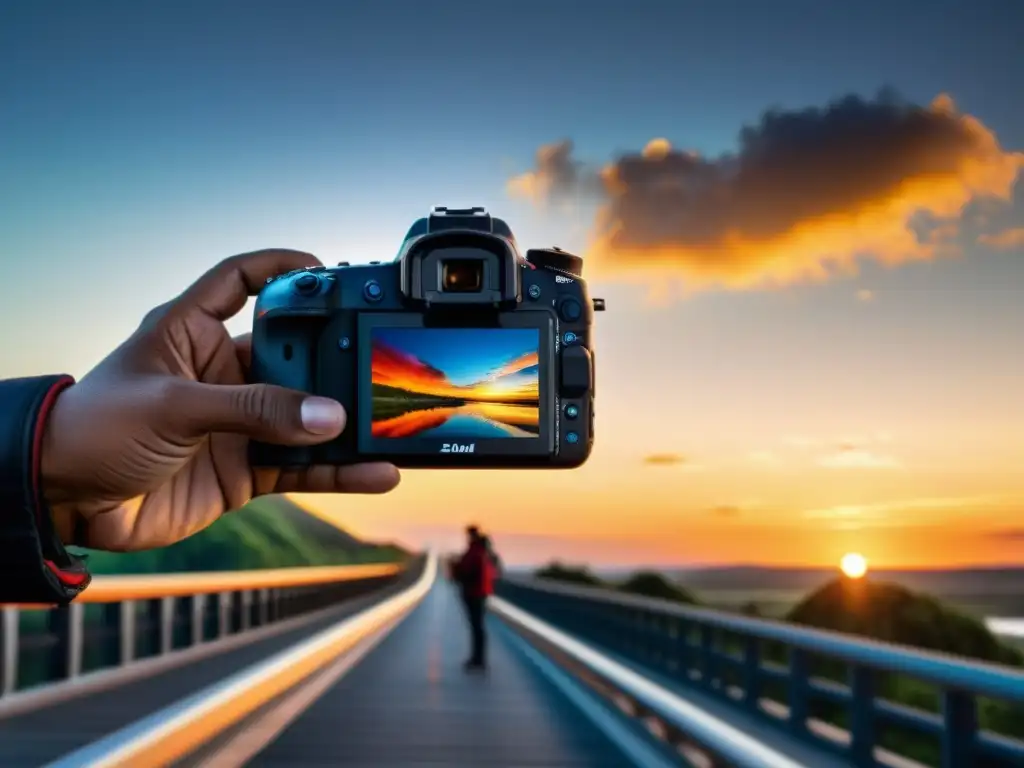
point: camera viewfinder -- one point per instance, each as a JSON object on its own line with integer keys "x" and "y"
{"x": 462, "y": 275}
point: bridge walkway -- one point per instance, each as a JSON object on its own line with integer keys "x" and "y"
{"x": 409, "y": 703}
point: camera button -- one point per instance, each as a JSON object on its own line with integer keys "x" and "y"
{"x": 307, "y": 284}
{"x": 572, "y": 438}
{"x": 576, "y": 371}
{"x": 572, "y": 411}
{"x": 372, "y": 291}
{"x": 570, "y": 310}
{"x": 533, "y": 292}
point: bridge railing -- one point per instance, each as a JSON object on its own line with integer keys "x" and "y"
{"x": 122, "y": 619}
{"x": 824, "y": 687}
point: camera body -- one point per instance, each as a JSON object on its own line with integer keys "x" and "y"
{"x": 460, "y": 353}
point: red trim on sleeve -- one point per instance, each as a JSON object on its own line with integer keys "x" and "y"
{"x": 68, "y": 578}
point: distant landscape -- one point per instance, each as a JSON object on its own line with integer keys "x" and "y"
{"x": 980, "y": 592}
{"x": 269, "y": 532}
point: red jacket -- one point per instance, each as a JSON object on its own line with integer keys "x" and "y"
{"x": 475, "y": 571}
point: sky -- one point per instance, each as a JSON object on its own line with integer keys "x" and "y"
{"x": 802, "y": 217}
{"x": 450, "y": 361}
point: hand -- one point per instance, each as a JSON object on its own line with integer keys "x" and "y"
{"x": 151, "y": 446}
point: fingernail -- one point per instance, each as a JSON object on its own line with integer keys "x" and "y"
{"x": 322, "y": 416}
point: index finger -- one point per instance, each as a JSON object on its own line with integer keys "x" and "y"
{"x": 223, "y": 291}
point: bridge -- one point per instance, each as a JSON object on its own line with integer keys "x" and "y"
{"x": 362, "y": 666}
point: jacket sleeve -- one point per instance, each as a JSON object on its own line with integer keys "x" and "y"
{"x": 34, "y": 566}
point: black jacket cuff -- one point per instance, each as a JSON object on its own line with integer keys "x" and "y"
{"x": 34, "y": 566}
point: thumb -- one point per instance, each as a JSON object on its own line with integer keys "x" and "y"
{"x": 264, "y": 412}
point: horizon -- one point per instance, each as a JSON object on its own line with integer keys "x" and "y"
{"x": 812, "y": 258}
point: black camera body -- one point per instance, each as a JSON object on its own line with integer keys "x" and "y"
{"x": 460, "y": 353}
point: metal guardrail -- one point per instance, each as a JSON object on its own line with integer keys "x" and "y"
{"x": 747, "y": 662}
{"x": 726, "y": 744}
{"x": 179, "y": 730}
{"x": 121, "y": 619}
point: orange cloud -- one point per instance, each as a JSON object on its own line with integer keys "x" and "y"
{"x": 1005, "y": 240}
{"x": 726, "y": 511}
{"x": 808, "y": 194}
{"x": 665, "y": 459}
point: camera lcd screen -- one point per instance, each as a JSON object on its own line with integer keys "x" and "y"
{"x": 455, "y": 383}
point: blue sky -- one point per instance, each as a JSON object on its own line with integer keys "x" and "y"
{"x": 465, "y": 355}
{"x": 142, "y": 142}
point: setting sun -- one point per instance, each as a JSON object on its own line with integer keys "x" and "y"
{"x": 853, "y": 565}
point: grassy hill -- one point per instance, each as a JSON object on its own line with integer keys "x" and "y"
{"x": 269, "y": 532}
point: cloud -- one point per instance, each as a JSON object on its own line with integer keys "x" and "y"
{"x": 1004, "y": 240}
{"x": 852, "y": 457}
{"x": 1007, "y": 534}
{"x": 665, "y": 459}
{"x": 725, "y": 511}
{"x": 865, "y": 295}
{"x": 807, "y": 194}
{"x": 805, "y": 442}
{"x": 902, "y": 510}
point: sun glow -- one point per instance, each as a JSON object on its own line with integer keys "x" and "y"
{"x": 853, "y": 565}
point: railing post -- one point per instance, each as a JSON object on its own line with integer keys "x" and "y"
{"x": 798, "y": 690}
{"x": 960, "y": 720}
{"x": 245, "y": 620}
{"x": 166, "y": 625}
{"x": 862, "y": 716}
{"x": 128, "y": 610}
{"x": 223, "y": 614}
{"x": 9, "y": 618}
{"x": 198, "y": 616}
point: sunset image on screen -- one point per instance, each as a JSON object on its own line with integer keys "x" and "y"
{"x": 456, "y": 383}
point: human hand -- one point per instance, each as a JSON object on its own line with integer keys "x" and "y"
{"x": 151, "y": 446}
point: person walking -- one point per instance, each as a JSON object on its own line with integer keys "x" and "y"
{"x": 475, "y": 574}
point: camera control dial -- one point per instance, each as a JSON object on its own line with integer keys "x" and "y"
{"x": 307, "y": 284}
{"x": 556, "y": 259}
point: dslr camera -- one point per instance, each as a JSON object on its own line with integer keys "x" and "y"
{"x": 462, "y": 352}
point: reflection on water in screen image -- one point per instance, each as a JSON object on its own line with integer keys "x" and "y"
{"x": 456, "y": 383}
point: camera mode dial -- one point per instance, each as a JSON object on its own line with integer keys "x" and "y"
{"x": 307, "y": 284}
{"x": 556, "y": 259}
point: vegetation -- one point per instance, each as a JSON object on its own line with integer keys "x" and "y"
{"x": 653, "y": 584}
{"x": 269, "y": 532}
{"x": 570, "y": 574}
{"x": 894, "y": 614}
